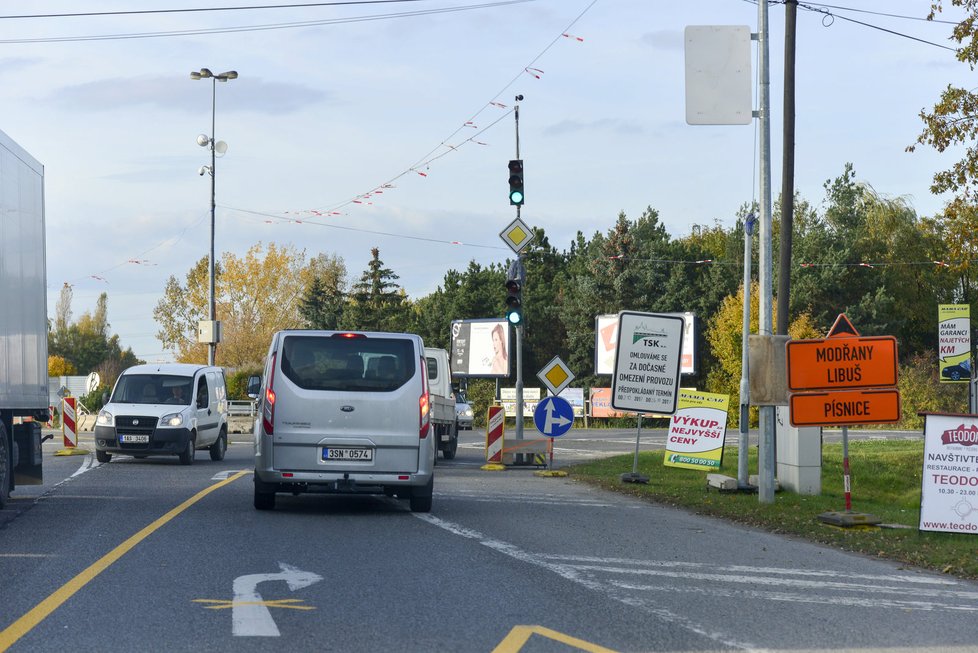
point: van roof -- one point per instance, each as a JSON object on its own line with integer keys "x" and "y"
{"x": 369, "y": 334}
{"x": 175, "y": 369}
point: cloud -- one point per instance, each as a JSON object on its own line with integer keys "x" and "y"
{"x": 171, "y": 93}
{"x": 664, "y": 39}
{"x": 604, "y": 124}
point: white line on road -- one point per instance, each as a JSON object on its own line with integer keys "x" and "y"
{"x": 569, "y": 573}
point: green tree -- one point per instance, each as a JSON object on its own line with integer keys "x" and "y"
{"x": 321, "y": 304}
{"x": 376, "y": 302}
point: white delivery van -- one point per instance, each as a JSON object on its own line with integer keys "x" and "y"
{"x": 169, "y": 409}
{"x": 344, "y": 412}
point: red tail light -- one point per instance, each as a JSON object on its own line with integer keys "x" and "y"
{"x": 268, "y": 408}
{"x": 424, "y": 403}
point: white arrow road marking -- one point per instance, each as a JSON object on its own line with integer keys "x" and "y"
{"x": 249, "y": 614}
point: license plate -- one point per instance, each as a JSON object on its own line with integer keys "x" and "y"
{"x": 347, "y": 453}
{"x": 134, "y": 439}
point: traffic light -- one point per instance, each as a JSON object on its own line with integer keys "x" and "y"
{"x": 516, "y": 182}
{"x": 514, "y": 302}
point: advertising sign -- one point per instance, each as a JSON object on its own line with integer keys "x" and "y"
{"x": 954, "y": 335}
{"x": 601, "y": 404}
{"x": 575, "y": 397}
{"x": 647, "y": 362}
{"x": 697, "y": 431}
{"x": 949, "y": 484}
{"x": 606, "y": 333}
{"x": 531, "y": 397}
{"x": 480, "y": 348}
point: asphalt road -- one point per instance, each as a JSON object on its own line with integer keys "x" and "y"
{"x": 149, "y": 555}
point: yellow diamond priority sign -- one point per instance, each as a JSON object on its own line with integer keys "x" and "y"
{"x": 517, "y": 235}
{"x": 555, "y": 375}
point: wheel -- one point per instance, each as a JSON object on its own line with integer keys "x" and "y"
{"x": 955, "y": 375}
{"x": 452, "y": 448}
{"x": 103, "y": 456}
{"x": 264, "y": 499}
{"x": 219, "y": 447}
{"x": 421, "y": 497}
{"x": 4, "y": 466}
{"x": 187, "y": 455}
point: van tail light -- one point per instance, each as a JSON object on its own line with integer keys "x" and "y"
{"x": 268, "y": 406}
{"x": 425, "y": 405}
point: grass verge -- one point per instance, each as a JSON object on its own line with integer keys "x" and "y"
{"x": 885, "y": 482}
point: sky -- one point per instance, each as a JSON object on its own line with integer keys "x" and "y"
{"x": 415, "y": 99}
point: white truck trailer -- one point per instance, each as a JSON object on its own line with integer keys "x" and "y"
{"x": 23, "y": 318}
{"x": 444, "y": 420}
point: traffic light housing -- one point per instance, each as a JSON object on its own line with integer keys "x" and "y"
{"x": 516, "y": 182}
{"x": 514, "y": 302}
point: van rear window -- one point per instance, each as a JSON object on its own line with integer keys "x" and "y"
{"x": 348, "y": 364}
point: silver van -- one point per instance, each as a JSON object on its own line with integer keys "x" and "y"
{"x": 344, "y": 412}
{"x": 167, "y": 409}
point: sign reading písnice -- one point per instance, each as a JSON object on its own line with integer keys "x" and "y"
{"x": 647, "y": 363}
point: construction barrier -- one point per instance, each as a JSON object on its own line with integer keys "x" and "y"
{"x": 68, "y": 422}
{"x": 494, "y": 434}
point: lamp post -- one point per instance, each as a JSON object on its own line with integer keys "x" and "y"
{"x": 216, "y": 146}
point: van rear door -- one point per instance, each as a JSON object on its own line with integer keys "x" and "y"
{"x": 348, "y": 402}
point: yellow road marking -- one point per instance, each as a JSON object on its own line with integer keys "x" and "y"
{"x": 520, "y": 635}
{"x": 221, "y": 604}
{"x": 42, "y": 610}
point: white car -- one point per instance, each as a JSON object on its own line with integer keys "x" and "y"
{"x": 463, "y": 411}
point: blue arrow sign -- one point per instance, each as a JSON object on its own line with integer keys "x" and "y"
{"x": 554, "y": 416}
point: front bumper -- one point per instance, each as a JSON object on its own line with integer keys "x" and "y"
{"x": 171, "y": 441}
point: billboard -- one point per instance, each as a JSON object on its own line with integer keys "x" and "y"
{"x": 480, "y": 348}
{"x": 954, "y": 334}
{"x": 605, "y": 334}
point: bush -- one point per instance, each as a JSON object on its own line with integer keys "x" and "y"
{"x": 238, "y": 382}
{"x": 921, "y": 391}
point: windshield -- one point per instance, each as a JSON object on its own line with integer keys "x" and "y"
{"x": 153, "y": 389}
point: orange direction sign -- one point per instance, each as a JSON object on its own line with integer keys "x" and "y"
{"x": 845, "y": 407}
{"x": 837, "y": 363}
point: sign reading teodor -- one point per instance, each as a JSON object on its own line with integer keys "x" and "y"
{"x": 647, "y": 363}
{"x": 949, "y": 483}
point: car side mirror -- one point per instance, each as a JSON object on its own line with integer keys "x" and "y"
{"x": 254, "y": 385}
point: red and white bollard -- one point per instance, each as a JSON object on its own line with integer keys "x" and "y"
{"x": 68, "y": 422}
{"x": 494, "y": 435}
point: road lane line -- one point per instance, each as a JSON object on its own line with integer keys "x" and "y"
{"x": 42, "y": 610}
{"x": 571, "y": 574}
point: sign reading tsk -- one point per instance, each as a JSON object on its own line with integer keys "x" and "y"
{"x": 647, "y": 363}
{"x": 836, "y": 363}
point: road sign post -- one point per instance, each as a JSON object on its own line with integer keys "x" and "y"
{"x": 857, "y": 377}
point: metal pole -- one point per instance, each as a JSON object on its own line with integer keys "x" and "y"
{"x": 638, "y": 437}
{"x": 212, "y": 346}
{"x": 743, "y": 472}
{"x": 846, "y": 480}
{"x": 519, "y": 327}
{"x": 767, "y": 425}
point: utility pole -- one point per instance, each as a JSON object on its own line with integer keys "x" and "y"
{"x": 787, "y": 167}
{"x": 765, "y": 490}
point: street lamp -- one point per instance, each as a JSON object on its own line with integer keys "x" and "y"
{"x": 212, "y": 333}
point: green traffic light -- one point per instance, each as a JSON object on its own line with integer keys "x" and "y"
{"x": 514, "y": 316}
{"x": 516, "y": 197}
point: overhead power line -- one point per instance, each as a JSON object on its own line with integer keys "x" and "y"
{"x": 135, "y": 12}
{"x": 262, "y": 27}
